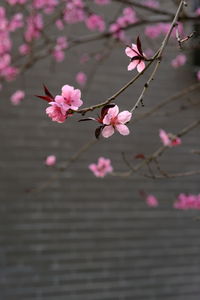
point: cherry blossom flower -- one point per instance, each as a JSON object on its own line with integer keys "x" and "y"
{"x": 62, "y": 105}
{"x": 17, "y": 97}
{"x": 168, "y": 139}
{"x": 95, "y": 22}
{"x": 137, "y": 57}
{"x": 74, "y": 12}
{"x": 151, "y": 3}
{"x": 128, "y": 17}
{"x": 186, "y": 202}
{"x": 50, "y": 160}
{"x": 70, "y": 98}
{"x": 61, "y": 44}
{"x": 24, "y": 49}
{"x": 178, "y": 61}
{"x": 114, "y": 120}
{"x": 151, "y": 201}
{"x": 152, "y": 31}
{"x": 16, "y": 22}
{"x": 59, "y": 24}
{"x": 81, "y": 78}
{"x": 102, "y": 167}
{"x": 56, "y": 112}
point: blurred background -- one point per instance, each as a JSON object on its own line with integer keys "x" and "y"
{"x": 70, "y": 235}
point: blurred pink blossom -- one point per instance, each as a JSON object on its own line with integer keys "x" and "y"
{"x": 102, "y": 167}
{"x": 151, "y": 3}
{"x": 95, "y": 22}
{"x": 168, "y": 139}
{"x": 81, "y": 78}
{"x": 50, "y": 160}
{"x": 116, "y": 121}
{"x": 185, "y": 202}
{"x": 16, "y": 22}
{"x": 24, "y": 49}
{"x": 56, "y": 112}
{"x": 17, "y": 97}
{"x": 61, "y": 45}
{"x": 179, "y": 61}
{"x": 151, "y": 200}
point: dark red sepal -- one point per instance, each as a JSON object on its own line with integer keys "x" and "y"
{"x": 105, "y": 109}
{"x": 47, "y": 92}
{"x": 46, "y": 98}
{"x": 98, "y": 131}
{"x": 139, "y": 46}
{"x": 140, "y": 156}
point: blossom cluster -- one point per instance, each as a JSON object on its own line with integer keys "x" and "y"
{"x": 63, "y": 105}
{"x": 128, "y": 17}
{"x": 185, "y": 202}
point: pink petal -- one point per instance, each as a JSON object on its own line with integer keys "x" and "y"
{"x": 132, "y": 65}
{"x": 141, "y": 66}
{"x": 108, "y": 131}
{"x": 129, "y": 52}
{"x": 123, "y": 129}
{"x": 134, "y": 47}
{"x": 112, "y": 113}
{"x": 164, "y": 137}
{"x": 124, "y": 116}
{"x": 67, "y": 90}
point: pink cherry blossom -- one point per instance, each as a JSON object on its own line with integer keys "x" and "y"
{"x": 102, "y": 167}
{"x": 50, "y": 160}
{"x": 74, "y": 12}
{"x": 113, "y": 120}
{"x": 95, "y": 22}
{"x": 168, "y": 139}
{"x": 16, "y": 22}
{"x": 151, "y": 3}
{"x": 61, "y": 44}
{"x": 70, "y": 98}
{"x": 59, "y": 24}
{"x": 186, "y": 202}
{"x": 153, "y": 31}
{"x": 24, "y": 49}
{"x": 137, "y": 58}
{"x": 56, "y": 112}
{"x": 151, "y": 201}
{"x": 34, "y": 27}
{"x": 81, "y": 78}
{"x": 178, "y": 61}
{"x": 17, "y": 97}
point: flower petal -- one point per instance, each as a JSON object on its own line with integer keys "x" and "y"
{"x": 108, "y": 131}
{"x": 124, "y": 116}
{"x": 123, "y": 129}
{"x": 112, "y": 113}
{"x": 132, "y": 65}
{"x": 141, "y": 66}
{"x": 129, "y": 52}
